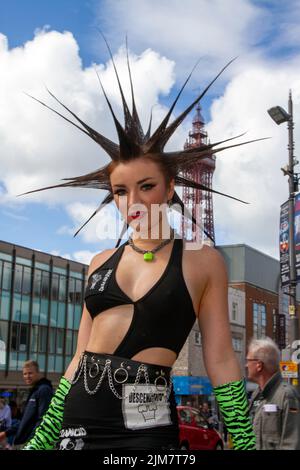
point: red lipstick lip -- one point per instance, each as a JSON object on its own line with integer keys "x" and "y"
{"x": 136, "y": 214}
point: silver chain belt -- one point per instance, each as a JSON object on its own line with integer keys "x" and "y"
{"x": 82, "y": 365}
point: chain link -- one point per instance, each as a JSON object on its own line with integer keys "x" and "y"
{"x": 82, "y": 365}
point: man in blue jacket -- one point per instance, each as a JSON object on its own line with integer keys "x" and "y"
{"x": 36, "y": 404}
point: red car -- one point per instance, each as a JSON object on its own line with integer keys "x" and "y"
{"x": 195, "y": 431}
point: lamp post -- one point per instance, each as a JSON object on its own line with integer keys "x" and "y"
{"x": 279, "y": 115}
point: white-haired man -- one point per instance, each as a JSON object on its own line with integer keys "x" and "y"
{"x": 274, "y": 405}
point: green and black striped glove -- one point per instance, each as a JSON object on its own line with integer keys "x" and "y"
{"x": 47, "y": 433}
{"x": 233, "y": 403}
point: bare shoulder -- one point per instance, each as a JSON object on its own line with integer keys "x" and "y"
{"x": 210, "y": 259}
{"x": 100, "y": 259}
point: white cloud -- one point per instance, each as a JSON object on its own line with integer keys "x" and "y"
{"x": 37, "y": 147}
{"x": 252, "y": 172}
{"x": 214, "y": 31}
{"x": 82, "y": 256}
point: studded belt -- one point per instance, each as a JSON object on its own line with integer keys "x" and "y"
{"x": 121, "y": 370}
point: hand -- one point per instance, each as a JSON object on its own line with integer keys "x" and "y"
{"x": 2, "y": 436}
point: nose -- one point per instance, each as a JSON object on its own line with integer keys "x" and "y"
{"x": 133, "y": 198}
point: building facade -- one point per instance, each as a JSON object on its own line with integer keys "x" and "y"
{"x": 257, "y": 307}
{"x": 41, "y": 300}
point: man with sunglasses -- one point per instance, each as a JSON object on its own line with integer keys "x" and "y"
{"x": 274, "y": 405}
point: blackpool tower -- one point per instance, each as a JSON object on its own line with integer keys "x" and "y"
{"x": 199, "y": 201}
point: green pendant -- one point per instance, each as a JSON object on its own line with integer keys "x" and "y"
{"x": 148, "y": 256}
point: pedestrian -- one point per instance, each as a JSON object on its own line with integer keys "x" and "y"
{"x": 205, "y": 411}
{"x": 16, "y": 417}
{"x": 37, "y": 403}
{"x": 5, "y": 421}
{"x": 274, "y": 405}
{"x": 141, "y": 302}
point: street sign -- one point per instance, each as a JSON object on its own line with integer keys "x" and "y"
{"x": 289, "y": 369}
{"x": 292, "y": 309}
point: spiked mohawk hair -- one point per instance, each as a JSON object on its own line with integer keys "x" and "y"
{"x": 134, "y": 143}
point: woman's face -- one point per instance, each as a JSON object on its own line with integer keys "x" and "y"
{"x": 139, "y": 186}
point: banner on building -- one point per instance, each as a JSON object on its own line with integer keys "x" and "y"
{"x": 297, "y": 235}
{"x": 284, "y": 245}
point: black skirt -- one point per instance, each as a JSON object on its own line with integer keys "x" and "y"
{"x": 118, "y": 412}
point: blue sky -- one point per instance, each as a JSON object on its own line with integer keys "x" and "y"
{"x": 263, "y": 34}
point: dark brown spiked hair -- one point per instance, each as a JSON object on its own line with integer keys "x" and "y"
{"x": 134, "y": 143}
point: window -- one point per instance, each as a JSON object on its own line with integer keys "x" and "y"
{"x": 71, "y": 290}
{"x": 15, "y": 337}
{"x": 45, "y": 285}
{"x": 53, "y": 313}
{"x": 259, "y": 320}
{"x": 3, "y": 331}
{"x": 237, "y": 344}
{"x": 54, "y": 287}
{"x": 263, "y": 321}
{"x": 17, "y": 307}
{"x": 1, "y": 269}
{"x": 23, "y": 337}
{"x": 43, "y": 320}
{"x": 37, "y": 283}
{"x": 69, "y": 342}
{"x": 200, "y": 421}
{"x": 185, "y": 416}
{"x": 234, "y": 311}
{"x": 61, "y": 315}
{"x": 3, "y": 343}
{"x": 52, "y": 341}
{"x": 70, "y": 316}
{"x": 78, "y": 288}
{"x": 62, "y": 288}
{"x": 6, "y": 284}
{"x": 19, "y": 339}
{"x": 34, "y": 338}
{"x": 26, "y": 286}
{"x": 59, "y": 341}
{"x": 25, "y": 309}
{"x": 4, "y": 305}
{"x": 77, "y": 316}
{"x": 18, "y": 279}
{"x": 42, "y": 339}
{"x": 35, "y": 310}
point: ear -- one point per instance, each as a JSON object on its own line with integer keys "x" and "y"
{"x": 171, "y": 189}
{"x": 260, "y": 366}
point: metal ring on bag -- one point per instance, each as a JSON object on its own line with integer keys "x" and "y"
{"x": 97, "y": 367}
{"x": 163, "y": 378}
{"x": 120, "y": 381}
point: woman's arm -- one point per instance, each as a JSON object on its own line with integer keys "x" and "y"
{"x": 221, "y": 363}
{"x": 213, "y": 319}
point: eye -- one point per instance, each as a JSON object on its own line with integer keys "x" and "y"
{"x": 147, "y": 187}
{"x": 118, "y": 191}
{"x": 144, "y": 187}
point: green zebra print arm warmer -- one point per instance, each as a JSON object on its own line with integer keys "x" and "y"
{"x": 47, "y": 433}
{"x": 232, "y": 400}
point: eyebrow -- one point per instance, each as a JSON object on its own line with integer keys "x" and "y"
{"x": 138, "y": 182}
